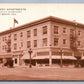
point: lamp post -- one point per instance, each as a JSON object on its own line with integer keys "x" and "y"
{"x": 30, "y": 51}
{"x": 61, "y": 51}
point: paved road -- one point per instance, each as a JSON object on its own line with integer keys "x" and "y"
{"x": 47, "y": 73}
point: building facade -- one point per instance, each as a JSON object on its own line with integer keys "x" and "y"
{"x": 46, "y": 37}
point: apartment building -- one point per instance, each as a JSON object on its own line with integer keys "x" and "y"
{"x": 46, "y": 37}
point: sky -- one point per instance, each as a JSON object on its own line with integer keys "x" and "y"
{"x": 37, "y": 11}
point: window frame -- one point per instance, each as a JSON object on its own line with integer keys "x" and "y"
{"x": 44, "y": 30}
{"x": 79, "y": 32}
{"x": 64, "y": 30}
{"x": 35, "y": 43}
{"x": 21, "y": 34}
{"x": 56, "y": 41}
{"x": 44, "y": 41}
{"x": 79, "y": 43}
{"x": 35, "y": 32}
{"x": 64, "y": 42}
{"x": 15, "y": 46}
{"x": 28, "y": 33}
{"x": 15, "y": 37}
{"x": 28, "y": 44}
{"x": 56, "y": 30}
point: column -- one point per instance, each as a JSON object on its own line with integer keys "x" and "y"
{"x": 18, "y": 60}
{"x": 36, "y": 61}
{"x": 50, "y": 58}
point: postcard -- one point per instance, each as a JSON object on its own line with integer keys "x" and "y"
{"x": 41, "y": 42}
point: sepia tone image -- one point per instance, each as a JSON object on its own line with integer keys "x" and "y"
{"x": 41, "y": 42}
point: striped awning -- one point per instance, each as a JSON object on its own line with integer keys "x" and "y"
{"x": 55, "y": 57}
{"x": 41, "y": 57}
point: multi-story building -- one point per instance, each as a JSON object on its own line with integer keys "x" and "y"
{"x": 46, "y": 37}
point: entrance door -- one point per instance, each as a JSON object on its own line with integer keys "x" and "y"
{"x": 16, "y": 61}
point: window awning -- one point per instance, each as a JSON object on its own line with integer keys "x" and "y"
{"x": 55, "y": 57}
{"x": 64, "y": 57}
{"x": 41, "y": 57}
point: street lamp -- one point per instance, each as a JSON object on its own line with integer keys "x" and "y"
{"x": 30, "y": 51}
{"x": 61, "y": 51}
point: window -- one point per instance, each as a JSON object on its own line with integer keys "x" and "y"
{"x": 71, "y": 31}
{"x": 28, "y": 33}
{"x": 56, "y": 41}
{"x": 3, "y": 47}
{"x": 35, "y": 43}
{"x": 28, "y": 44}
{"x": 21, "y": 34}
{"x": 78, "y": 32}
{"x": 55, "y": 29}
{"x": 9, "y": 36}
{"x": 15, "y": 36}
{"x": 64, "y": 41}
{"x": 45, "y": 42}
{"x": 64, "y": 30}
{"x": 45, "y": 30}
{"x": 35, "y": 32}
{"x": 15, "y": 46}
{"x": 3, "y": 38}
{"x": 78, "y": 43}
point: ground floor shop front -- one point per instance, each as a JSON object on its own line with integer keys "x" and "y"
{"x": 44, "y": 57}
{"x": 16, "y": 61}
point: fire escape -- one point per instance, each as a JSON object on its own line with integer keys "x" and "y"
{"x": 8, "y": 42}
{"x": 73, "y": 46}
{"x": 73, "y": 40}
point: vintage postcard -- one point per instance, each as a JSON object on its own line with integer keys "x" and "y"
{"x": 41, "y": 42}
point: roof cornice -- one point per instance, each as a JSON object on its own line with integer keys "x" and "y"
{"x": 50, "y": 18}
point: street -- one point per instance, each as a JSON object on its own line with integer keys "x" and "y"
{"x": 41, "y": 73}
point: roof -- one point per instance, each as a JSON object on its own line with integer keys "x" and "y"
{"x": 46, "y": 19}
